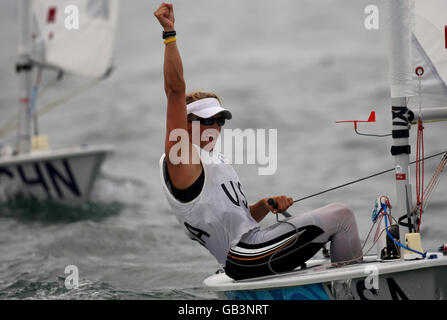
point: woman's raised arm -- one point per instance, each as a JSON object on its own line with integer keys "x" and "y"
{"x": 182, "y": 174}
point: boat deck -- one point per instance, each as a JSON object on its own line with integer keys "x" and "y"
{"x": 321, "y": 271}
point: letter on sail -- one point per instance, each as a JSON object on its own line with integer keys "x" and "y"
{"x": 85, "y": 46}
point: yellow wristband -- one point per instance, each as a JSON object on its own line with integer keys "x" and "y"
{"x": 170, "y": 40}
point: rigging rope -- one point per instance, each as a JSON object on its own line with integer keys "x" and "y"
{"x": 364, "y": 178}
{"x": 12, "y": 122}
{"x": 434, "y": 181}
{"x": 420, "y": 152}
{"x": 423, "y": 254}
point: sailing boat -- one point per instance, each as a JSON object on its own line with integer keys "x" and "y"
{"x": 401, "y": 269}
{"x": 69, "y": 36}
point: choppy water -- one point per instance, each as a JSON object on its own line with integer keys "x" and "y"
{"x": 293, "y": 65}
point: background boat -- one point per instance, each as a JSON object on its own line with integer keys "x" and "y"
{"x": 73, "y": 37}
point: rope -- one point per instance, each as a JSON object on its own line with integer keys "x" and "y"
{"x": 67, "y": 97}
{"x": 12, "y": 123}
{"x": 384, "y": 215}
{"x": 434, "y": 181}
{"x": 429, "y": 190}
{"x": 423, "y": 254}
{"x": 419, "y": 156}
{"x": 294, "y": 242}
{"x": 356, "y": 259}
{"x": 364, "y": 178}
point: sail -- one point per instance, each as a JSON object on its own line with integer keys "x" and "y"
{"x": 76, "y": 36}
{"x": 429, "y": 50}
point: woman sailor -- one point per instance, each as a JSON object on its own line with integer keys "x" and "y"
{"x": 207, "y": 197}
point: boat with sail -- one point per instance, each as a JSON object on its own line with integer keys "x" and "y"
{"x": 401, "y": 268}
{"x": 59, "y": 37}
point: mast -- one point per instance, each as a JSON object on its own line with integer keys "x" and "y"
{"x": 24, "y": 69}
{"x": 401, "y": 89}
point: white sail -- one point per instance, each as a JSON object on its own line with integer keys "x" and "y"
{"x": 76, "y": 36}
{"x": 429, "y": 50}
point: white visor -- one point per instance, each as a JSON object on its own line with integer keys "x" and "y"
{"x": 206, "y": 108}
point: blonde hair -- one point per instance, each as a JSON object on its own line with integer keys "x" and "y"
{"x": 197, "y": 95}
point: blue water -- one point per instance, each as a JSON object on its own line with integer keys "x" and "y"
{"x": 295, "y": 66}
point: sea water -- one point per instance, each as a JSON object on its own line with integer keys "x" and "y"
{"x": 294, "y": 66}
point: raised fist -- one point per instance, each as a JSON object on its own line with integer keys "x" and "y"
{"x": 165, "y": 15}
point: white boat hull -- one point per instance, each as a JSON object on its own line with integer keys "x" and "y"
{"x": 371, "y": 280}
{"x": 64, "y": 176}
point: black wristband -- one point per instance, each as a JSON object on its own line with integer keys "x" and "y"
{"x": 167, "y": 34}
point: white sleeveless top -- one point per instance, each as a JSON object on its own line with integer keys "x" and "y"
{"x": 219, "y": 216}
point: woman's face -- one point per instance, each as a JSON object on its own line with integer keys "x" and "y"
{"x": 209, "y": 130}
